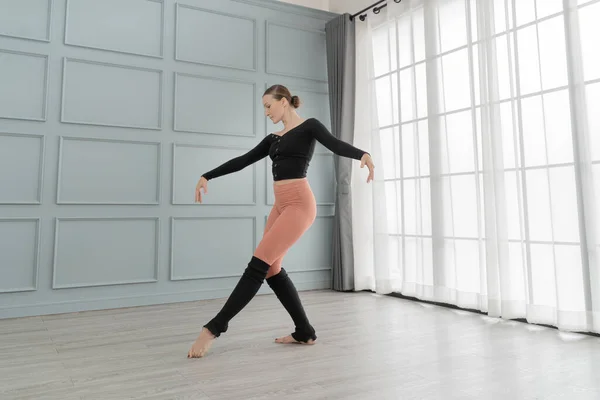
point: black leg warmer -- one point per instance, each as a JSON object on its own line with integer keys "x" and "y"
{"x": 247, "y": 287}
{"x": 286, "y": 292}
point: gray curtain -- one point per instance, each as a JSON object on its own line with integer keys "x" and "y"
{"x": 341, "y": 76}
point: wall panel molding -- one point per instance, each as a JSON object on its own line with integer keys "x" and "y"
{"x": 110, "y": 157}
{"x": 290, "y": 9}
{"x": 226, "y": 100}
{"x": 97, "y": 252}
{"x": 220, "y": 182}
{"x": 10, "y": 91}
{"x": 110, "y": 112}
{"x": 285, "y": 71}
{"x": 179, "y": 57}
{"x": 240, "y": 268}
{"x": 40, "y": 170}
{"x": 35, "y": 251}
{"x": 48, "y": 21}
{"x": 70, "y": 41}
{"x": 110, "y": 97}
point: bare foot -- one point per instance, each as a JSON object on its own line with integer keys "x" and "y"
{"x": 202, "y": 344}
{"x": 289, "y": 339}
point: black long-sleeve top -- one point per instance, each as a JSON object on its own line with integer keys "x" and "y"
{"x": 291, "y": 152}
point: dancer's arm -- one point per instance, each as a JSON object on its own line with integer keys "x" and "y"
{"x": 238, "y": 163}
{"x": 339, "y": 147}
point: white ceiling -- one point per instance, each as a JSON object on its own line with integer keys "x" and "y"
{"x": 337, "y": 6}
{"x": 318, "y": 4}
{"x": 349, "y": 6}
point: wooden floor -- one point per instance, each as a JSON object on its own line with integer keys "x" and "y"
{"x": 369, "y": 347}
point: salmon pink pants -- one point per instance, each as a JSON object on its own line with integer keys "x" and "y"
{"x": 293, "y": 213}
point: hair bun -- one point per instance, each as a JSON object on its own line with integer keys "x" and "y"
{"x": 296, "y": 101}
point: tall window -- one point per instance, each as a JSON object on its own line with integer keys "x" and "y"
{"x": 479, "y": 110}
{"x": 400, "y": 81}
{"x": 589, "y": 26}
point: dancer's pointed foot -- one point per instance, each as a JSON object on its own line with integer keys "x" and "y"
{"x": 202, "y": 344}
{"x": 290, "y": 340}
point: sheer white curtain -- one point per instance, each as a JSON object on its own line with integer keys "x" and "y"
{"x": 480, "y": 118}
{"x": 375, "y": 260}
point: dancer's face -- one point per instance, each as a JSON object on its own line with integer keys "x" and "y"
{"x": 274, "y": 109}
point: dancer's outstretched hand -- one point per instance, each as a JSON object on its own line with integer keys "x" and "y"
{"x": 202, "y": 184}
{"x": 366, "y": 160}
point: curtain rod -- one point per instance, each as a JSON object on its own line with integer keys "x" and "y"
{"x": 375, "y": 9}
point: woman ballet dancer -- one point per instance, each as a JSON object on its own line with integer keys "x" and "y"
{"x": 292, "y": 214}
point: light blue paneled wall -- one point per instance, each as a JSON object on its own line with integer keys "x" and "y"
{"x": 109, "y": 112}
